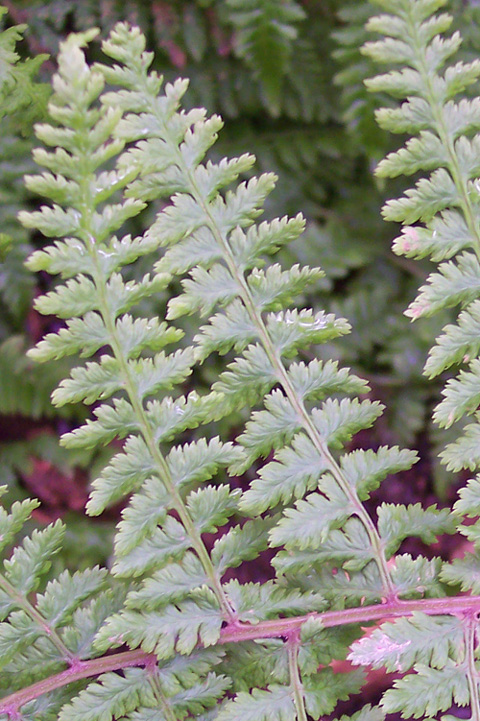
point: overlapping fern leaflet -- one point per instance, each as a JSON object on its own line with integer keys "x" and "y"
{"x": 40, "y": 637}
{"x": 441, "y": 219}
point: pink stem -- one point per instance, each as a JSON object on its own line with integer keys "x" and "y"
{"x": 78, "y": 670}
{"x": 237, "y": 632}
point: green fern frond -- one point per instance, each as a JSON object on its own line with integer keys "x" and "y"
{"x": 116, "y": 152}
{"x": 440, "y": 220}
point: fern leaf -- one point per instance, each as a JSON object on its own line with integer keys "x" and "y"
{"x": 457, "y": 344}
{"x": 294, "y": 329}
{"x": 230, "y": 329}
{"x": 203, "y": 292}
{"x": 275, "y": 288}
{"x": 147, "y": 546}
{"x": 428, "y": 691}
{"x": 31, "y": 560}
{"x": 63, "y": 595}
{"x": 170, "y": 584}
{"x": 337, "y": 421}
{"x": 446, "y": 235}
{"x": 454, "y": 284}
{"x": 264, "y": 239}
{"x": 396, "y": 522}
{"x": 241, "y": 543}
{"x": 111, "y": 696}
{"x": 268, "y": 428}
{"x": 174, "y": 629}
{"x": 414, "y": 576}
{"x": 201, "y": 696}
{"x": 463, "y": 453}
{"x": 211, "y": 507}
{"x": 170, "y": 417}
{"x": 248, "y": 378}
{"x": 365, "y": 470}
{"x": 11, "y": 523}
{"x": 324, "y": 689}
{"x": 461, "y": 396}
{"x": 423, "y": 153}
{"x": 420, "y": 639}
{"x": 200, "y": 460}
{"x": 469, "y": 499}
{"x": 126, "y": 472}
{"x": 117, "y": 419}
{"x": 295, "y": 470}
{"x": 310, "y": 523}
{"x": 146, "y": 510}
{"x": 273, "y": 704}
{"x": 349, "y": 547}
{"x": 17, "y": 635}
{"x": 254, "y": 602}
{"x": 317, "y": 379}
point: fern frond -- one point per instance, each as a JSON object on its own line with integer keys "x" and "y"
{"x": 421, "y": 639}
{"x": 440, "y": 219}
{"x": 255, "y": 322}
{"x": 95, "y": 299}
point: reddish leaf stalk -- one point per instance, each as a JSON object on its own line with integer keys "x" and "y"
{"x": 237, "y": 632}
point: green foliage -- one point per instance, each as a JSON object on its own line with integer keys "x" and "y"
{"x": 230, "y": 431}
{"x": 264, "y": 36}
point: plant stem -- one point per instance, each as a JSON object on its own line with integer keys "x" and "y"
{"x": 82, "y": 669}
{"x": 394, "y": 608}
{"x": 237, "y": 632}
{"x": 295, "y": 680}
{"x": 471, "y": 622}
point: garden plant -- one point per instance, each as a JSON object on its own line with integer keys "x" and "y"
{"x": 245, "y": 570}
